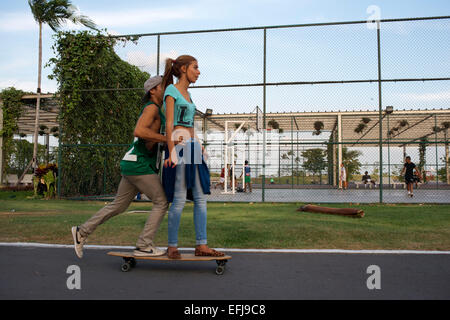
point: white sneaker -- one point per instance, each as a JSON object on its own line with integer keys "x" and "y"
{"x": 150, "y": 251}
{"x": 78, "y": 241}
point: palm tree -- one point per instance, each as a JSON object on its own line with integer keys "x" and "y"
{"x": 54, "y": 13}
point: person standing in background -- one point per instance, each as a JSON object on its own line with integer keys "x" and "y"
{"x": 247, "y": 177}
{"x": 343, "y": 177}
{"x": 408, "y": 170}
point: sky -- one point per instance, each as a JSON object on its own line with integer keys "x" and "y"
{"x": 19, "y": 32}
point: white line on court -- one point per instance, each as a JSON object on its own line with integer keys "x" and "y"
{"x": 102, "y": 247}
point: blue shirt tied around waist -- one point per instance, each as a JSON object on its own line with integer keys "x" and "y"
{"x": 192, "y": 162}
{"x": 184, "y": 111}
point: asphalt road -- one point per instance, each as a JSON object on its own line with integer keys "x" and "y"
{"x": 41, "y": 273}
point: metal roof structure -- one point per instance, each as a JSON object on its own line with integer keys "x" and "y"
{"x": 48, "y": 113}
{"x": 399, "y": 126}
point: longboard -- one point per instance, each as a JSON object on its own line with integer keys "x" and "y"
{"x": 129, "y": 260}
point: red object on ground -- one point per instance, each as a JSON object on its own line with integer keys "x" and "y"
{"x": 355, "y": 213}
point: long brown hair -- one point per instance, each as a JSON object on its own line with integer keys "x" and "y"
{"x": 173, "y": 68}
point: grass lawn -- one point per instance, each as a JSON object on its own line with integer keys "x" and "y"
{"x": 235, "y": 225}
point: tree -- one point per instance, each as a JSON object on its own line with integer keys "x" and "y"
{"x": 21, "y": 152}
{"x": 54, "y": 13}
{"x": 422, "y": 156}
{"x": 351, "y": 161}
{"x": 318, "y": 126}
{"x": 442, "y": 172}
{"x": 314, "y": 160}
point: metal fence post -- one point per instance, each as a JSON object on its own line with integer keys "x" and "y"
{"x": 297, "y": 159}
{"x": 279, "y": 157}
{"x": 436, "y": 147}
{"x": 157, "y": 54}
{"x": 292, "y": 153}
{"x": 1, "y": 142}
{"x": 264, "y": 118}
{"x": 380, "y": 112}
{"x": 389, "y": 151}
{"x": 447, "y": 167}
{"x": 59, "y": 158}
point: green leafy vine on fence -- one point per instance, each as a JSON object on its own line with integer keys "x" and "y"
{"x": 12, "y": 110}
{"x": 84, "y": 65}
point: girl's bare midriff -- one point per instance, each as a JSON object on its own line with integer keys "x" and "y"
{"x": 186, "y": 133}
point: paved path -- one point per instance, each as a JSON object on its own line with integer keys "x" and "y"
{"x": 40, "y": 273}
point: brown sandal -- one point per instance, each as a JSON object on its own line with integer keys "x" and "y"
{"x": 174, "y": 255}
{"x": 213, "y": 253}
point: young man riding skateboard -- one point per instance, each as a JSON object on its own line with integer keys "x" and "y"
{"x": 139, "y": 171}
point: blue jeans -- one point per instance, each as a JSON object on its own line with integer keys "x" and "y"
{"x": 179, "y": 199}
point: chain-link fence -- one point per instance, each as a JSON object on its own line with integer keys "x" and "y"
{"x": 307, "y": 99}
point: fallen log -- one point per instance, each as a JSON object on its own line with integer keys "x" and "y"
{"x": 348, "y": 212}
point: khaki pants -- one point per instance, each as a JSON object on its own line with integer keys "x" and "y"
{"x": 129, "y": 187}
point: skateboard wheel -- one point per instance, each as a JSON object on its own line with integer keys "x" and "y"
{"x": 133, "y": 262}
{"x": 220, "y": 270}
{"x": 126, "y": 267}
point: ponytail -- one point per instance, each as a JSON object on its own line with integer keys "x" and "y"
{"x": 168, "y": 74}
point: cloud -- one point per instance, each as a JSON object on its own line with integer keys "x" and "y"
{"x": 428, "y": 96}
{"x": 136, "y": 17}
{"x": 17, "y": 21}
{"x": 28, "y": 86}
{"x": 15, "y": 64}
{"x": 21, "y": 21}
{"x": 147, "y": 62}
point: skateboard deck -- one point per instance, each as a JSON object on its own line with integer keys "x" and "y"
{"x": 129, "y": 260}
